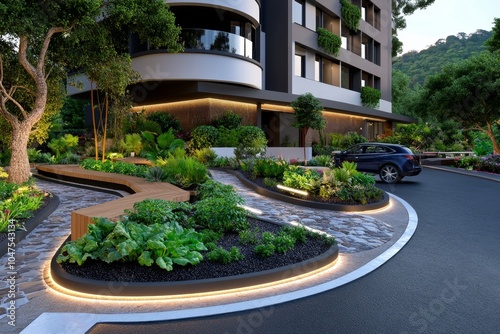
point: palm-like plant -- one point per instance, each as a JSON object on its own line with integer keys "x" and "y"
{"x": 164, "y": 146}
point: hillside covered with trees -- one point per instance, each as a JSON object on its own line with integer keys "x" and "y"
{"x": 420, "y": 65}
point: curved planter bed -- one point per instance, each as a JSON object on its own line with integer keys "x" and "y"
{"x": 136, "y": 289}
{"x": 32, "y": 223}
{"x": 311, "y": 204}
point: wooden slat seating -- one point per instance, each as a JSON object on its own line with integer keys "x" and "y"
{"x": 143, "y": 189}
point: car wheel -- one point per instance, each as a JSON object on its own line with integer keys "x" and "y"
{"x": 389, "y": 174}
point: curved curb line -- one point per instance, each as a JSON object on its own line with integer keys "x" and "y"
{"x": 51, "y": 322}
{"x": 157, "y": 289}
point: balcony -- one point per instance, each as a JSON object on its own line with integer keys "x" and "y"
{"x": 214, "y": 40}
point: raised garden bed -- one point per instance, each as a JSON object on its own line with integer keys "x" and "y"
{"x": 131, "y": 279}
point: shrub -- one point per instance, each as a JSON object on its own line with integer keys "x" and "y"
{"x": 470, "y": 163}
{"x": 252, "y": 141}
{"x": 156, "y": 174}
{"x": 249, "y": 237}
{"x": 228, "y": 120}
{"x": 185, "y": 172}
{"x": 265, "y": 250}
{"x": 225, "y": 162}
{"x": 219, "y": 208}
{"x": 212, "y": 188}
{"x": 227, "y": 137}
{"x": 283, "y": 242}
{"x": 206, "y": 156}
{"x": 300, "y": 178}
{"x": 158, "y": 211}
{"x": 121, "y": 167}
{"x": 336, "y": 140}
{"x": 202, "y": 137}
{"x": 18, "y": 202}
{"x": 352, "y": 138}
{"x": 33, "y": 154}
{"x": 270, "y": 182}
{"x": 70, "y": 159}
{"x": 132, "y": 143}
{"x": 490, "y": 164}
{"x": 320, "y": 160}
{"x": 165, "y": 121}
{"x": 210, "y": 236}
{"x": 44, "y": 158}
{"x": 269, "y": 168}
{"x": 220, "y": 214}
{"x": 299, "y": 233}
{"x": 318, "y": 149}
{"x": 63, "y": 145}
{"x": 223, "y": 256}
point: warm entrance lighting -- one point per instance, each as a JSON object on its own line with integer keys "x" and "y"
{"x": 292, "y": 190}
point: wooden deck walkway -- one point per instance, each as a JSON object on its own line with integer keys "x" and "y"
{"x": 142, "y": 189}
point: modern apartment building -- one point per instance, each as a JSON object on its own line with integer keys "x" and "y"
{"x": 254, "y": 57}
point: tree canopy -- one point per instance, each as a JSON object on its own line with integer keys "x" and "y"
{"x": 454, "y": 48}
{"x": 468, "y": 92}
{"x": 41, "y": 41}
{"x": 493, "y": 44}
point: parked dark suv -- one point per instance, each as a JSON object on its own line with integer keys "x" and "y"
{"x": 391, "y": 162}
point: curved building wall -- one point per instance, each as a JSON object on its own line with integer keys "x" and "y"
{"x": 247, "y": 8}
{"x": 198, "y": 67}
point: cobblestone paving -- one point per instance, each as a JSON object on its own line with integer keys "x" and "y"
{"x": 354, "y": 232}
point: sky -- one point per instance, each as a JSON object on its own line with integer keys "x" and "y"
{"x": 447, "y": 17}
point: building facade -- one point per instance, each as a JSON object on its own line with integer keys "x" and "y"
{"x": 254, "y": 57}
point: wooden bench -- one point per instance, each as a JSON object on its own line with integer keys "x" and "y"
{"x": 141, "y": 188}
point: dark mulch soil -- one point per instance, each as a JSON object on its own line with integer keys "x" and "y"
{"x": 133, "y": 272}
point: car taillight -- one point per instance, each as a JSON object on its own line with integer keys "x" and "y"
{"x": 414, "y": 158}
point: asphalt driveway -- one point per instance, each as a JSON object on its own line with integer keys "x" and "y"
{"x": 445, "y": 280}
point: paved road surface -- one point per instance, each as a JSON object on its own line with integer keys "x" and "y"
{"x": 445, "y": 280}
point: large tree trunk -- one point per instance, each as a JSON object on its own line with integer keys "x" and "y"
{"x": 19, "y": 169}
{"x": 491, "y": 134}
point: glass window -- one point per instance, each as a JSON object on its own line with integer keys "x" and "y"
{"x": 298, "y": 12}
{"x": 317, "y": 67}
{"x": 345, "y": 77}
{"x": 376, "y": 53}
{"x": 300, "y": 61}
{"x": 235, "y": 28}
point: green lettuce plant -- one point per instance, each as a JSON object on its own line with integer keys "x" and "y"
{"x": 165, "y": 245}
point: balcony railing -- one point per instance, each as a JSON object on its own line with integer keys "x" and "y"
{"x": 204, "y": 39}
